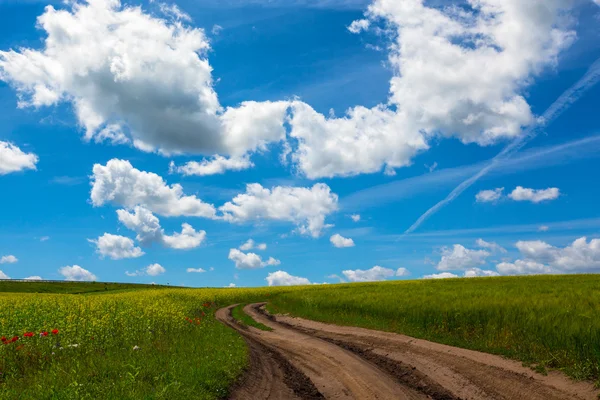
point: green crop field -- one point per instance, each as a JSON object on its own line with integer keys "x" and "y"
{"x": 153, "y": 342}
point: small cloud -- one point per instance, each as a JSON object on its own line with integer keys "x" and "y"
{"x": 150, "y": 270}
{"x": 432, "y": 167}
{"x": 44, "y": 238}
{"x": 545, "y": 228}
{"x": 443, "y": 275}
{"x": 216, "y": 29}
{"x": 339, "y": 241}
{"x": 402, "y": 272}
{"x": 489, "y": 196}
{"x": 68, "y": 180}
{"x": 196, "y": 270}
{"x": 33, "y": 278}
{"x": 211, "y": 269}
{"x": 76, "y": 273}
{"x": 10, "y": 259}
{"x": 535, "y": 196}
{"x": 359, "y": 25}
{"x": 355, "y": 217}
{"x": 231, "y": 285}
{"x": 3, "y": 275}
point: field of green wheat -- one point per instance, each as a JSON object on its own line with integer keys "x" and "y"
{"x": 147, "y": 342}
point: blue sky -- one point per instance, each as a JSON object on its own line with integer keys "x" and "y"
{"x": 123, "y": 121}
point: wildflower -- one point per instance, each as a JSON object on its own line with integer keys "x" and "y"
{"x": 3, "y": 338}
{"x": 136, "y": 347}
{"x": 76, "y": 345}
{"x": 14, "y": 339}
{"x": 55, "y": 331}
{"x": 44, "y": 333}
{"x": 28, "y": 334}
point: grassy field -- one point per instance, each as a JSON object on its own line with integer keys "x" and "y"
{"x": 545, "y": 321}
{"x": 240, "y": 316}
{"x": 8, "y": 286}
{"x": 132, "y": 342}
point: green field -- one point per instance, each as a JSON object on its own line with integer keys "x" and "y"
{"x": 132, "y": 342}
{"x": 241, "y": 317}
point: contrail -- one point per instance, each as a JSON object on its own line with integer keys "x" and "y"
{"x": 574, "y": 93}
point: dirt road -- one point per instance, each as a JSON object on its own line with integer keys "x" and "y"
{"x": 301, "y": 359}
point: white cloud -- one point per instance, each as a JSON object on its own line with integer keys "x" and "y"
{"x": 459, "y": 258}
{"x": 12, "y": 158}
{"x": 44, "y": 238}
{"x": 3, "y": 275}
{"x": 494, "y": 247}
{"x": 138, "y": 78}
{"x": 339, "y": 241}
{"x": 488, "y": 196}
{"x": 581, "y": 256}
{"x": 437, "y": 88}
{"x": 34, "y": 278}
{"x": 359, "y": 25}
{"x": 443, "y": 275}
{"x": 215, "y": 166}
{"x": 119, "y": 183}
{"x": 282, "y": 278}
{"x": 544, "y": 228}
{"x": 355, "y": 217}
{"x": 250, "y": 244}
{"x": 147, "y": 227}
{"x": 250, "y": 260}
{"x": 76, "y": 273}
{"x": 196, "y": 270}
{"x": 216, "y": 29}
{"x": 402, "y": 272}
{"x": 232, "y": 285}
{"x": 306, "y": 207}
{"x": 150, "y": 270}
{"x": 477, "y": 272}
{"x": 374, "y": 274}
{"x": 10, "y": 259}
{"x": 116, "y": 247}
{"x": 534, "y": 196}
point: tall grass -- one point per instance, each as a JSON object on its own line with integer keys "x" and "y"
{"x": 549, "y": 321}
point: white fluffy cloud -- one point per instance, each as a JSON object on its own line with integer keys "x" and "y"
{"x": 306, "y": 207}
{"x": 282, "y": 278}
{"x": 150, "y": 270}
{"x": 10, "y": 259}
{"x": 494, "y": 247}
{"x": 477, "y": 272}
{"x": 134, "y": 77}
{"x": 374, "y": 274}
{"x": 534, "y": 196}
{"x": 339, "y": 241}
{"x": 355, "y": 217}
{"x": 489, "y": 196}
{"x": 76, "y": 273}
{"x": 581, "y": 256}
{"x": 196, "y": 270}
{"x": 437, "y": 88}
{"x": 116, "y": 247}
{"x": 443, "y": 275}
{"x": 34, "y": 278}
{"x": 251, "y": 244}
{"x": 459, "y": 258}
{"x": 13, "y": 159}
{"x": 215, "y": 166}
{"x": 3, "y": 275}
{"x": 250, "y": 260}
{"x": 147, "y": 227}
{"x": 119, "y": 183}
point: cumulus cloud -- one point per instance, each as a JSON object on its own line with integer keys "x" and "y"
{"x": 150, "y": 270}
{"x": 231, "y": 285}
{"x": 306, "y": 207}
{"x": 443, "y": 275}
{"x": 13, "y": 159}
{"x": 10, "y": 259}
{"x": 437, "y": 88}
{"x": 339, "y": 241}
{"x": 581, "y": 256}
{"x": 34, "y": 278}
{"x": 251, "y": 244}
{"x": 374, "y": 274}
{"x": 535, "y": 196}
{"x": 250, "y": 260}
{"x": 3, "y": 275}
{"x": 494, "y": 247}
{"x": 116, "y": 247}
{"x": 137, "y": 78}
{"x": 196, "y": 270}
{"x": 489, "y": 196}
{"x": 76, "y": 273}
{"x": 215, "y": 166}
{"x": 120, "y": 184}
{"x": 355, "y": 217}
{"x": 477, "y": 272}
{"x": 148, "y": 229}
{"x": 459, "y": 258}
{"x": 282, "y": 278}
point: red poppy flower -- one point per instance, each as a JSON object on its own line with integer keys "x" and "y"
{"x": 28, "y": 334}
{"x": 55, "y": 331}
{"x": 14, "y": 339}
{"x": 44, "y": 333}
{"x": 4, "y": 339}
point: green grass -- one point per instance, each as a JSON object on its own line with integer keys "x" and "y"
{"x": 241, "y": 317}
{"x": 69, "y": 287}
{"x": 544, "y": 321}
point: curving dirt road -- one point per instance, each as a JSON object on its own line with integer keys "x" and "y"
{"x": 302, "y": 359}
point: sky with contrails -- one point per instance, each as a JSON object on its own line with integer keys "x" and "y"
{"x": 254, "y": 142}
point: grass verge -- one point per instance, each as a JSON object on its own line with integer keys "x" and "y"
{"x": 241, "y": 317}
